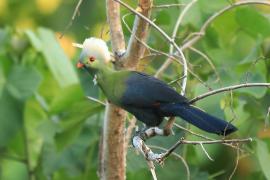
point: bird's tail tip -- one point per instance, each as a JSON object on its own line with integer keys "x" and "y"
{"x": 228, "y": 130}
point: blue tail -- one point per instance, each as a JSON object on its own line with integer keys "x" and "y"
{"x": 199, "y": 118}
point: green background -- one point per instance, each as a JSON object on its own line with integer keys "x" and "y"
{"x": 49, "y": 130}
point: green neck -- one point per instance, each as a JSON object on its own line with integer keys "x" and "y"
{"x": 98, "y": 69}
{"x": 101, "y": 72}
{"x": 111, "y": 82}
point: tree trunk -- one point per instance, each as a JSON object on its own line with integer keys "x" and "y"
{"x": 113, "y": 152}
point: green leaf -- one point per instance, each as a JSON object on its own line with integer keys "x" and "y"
{"x": 253, "y": 22}
{"x": 4, "y": 39}
{"x": 239, "y": 111}
{"x": 226, "y": 34}
{"x": 13, "y": 170}
{"x": 23, "y": 81}
{"x": 11, "y": 116}
{"x": 263, "y": 156}
{"x": 34, "y": 115}
{"x": 193, "y": 16}
{"x": 163, "y": 18}
{"x": 210, "y": 104}
{"x": 256, "y": 73}
{"x": 35, "y": 41}
{"x": 135, "y": 162}
{"x": 212, "y": 7}
{"x": 66, "y": 97}
{"x": 59, "y": 64}
{"x": 47, "y": 130}
{"x": 30, "y": 56}
{"x": 246, "y": 48}
{"x": 71, "y": 124}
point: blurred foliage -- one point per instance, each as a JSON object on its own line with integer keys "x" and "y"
{"x": 49, "y": 130}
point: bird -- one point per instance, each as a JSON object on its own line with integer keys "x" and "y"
{"x": 149, "y": 99}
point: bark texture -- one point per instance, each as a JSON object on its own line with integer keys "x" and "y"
{"x": 113, "y": 151}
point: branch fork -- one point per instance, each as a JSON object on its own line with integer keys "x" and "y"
{"x": 138, "y": 142}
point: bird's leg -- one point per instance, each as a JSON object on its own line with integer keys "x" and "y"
{"x": 149, "y": 132}
{"x": 168, "y": 126}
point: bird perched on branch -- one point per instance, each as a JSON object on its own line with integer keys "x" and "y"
{"x": 147, "y": 98}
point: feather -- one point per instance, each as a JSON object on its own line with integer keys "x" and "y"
{"x": 94, "y": 47}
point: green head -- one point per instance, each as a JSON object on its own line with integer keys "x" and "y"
{"x": 94, "y": 54}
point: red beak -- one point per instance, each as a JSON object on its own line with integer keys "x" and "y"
{"x": 80, "y": 65}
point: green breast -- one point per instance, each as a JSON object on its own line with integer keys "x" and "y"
{"x": 113, "y": 84}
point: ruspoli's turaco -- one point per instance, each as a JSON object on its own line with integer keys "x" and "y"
{"x": 144, "y": 96}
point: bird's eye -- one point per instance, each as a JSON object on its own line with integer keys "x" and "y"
{"x": 92, "y": 59}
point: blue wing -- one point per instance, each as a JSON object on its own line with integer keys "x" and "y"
{"x": 146, "y": 91}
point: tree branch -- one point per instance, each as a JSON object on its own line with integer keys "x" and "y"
{"x": 236, "y": 164}
{"x": 183, "y": 141}
{"x": 116, "y": 32}
{"x": 198, "y": 35}
{"x": 157, "y": 52}
{"x": 167, "y": 5}
{"x": 229, "y": 88}
{"x": 217, "y": 14}
{"x": 113, "y": 162}
{"x": 139, "y": 144}
{"x": 176, "y": 155}
{"x": 175, "y": 30}
{"x": 96, "y": 100}
{"x": 170, "y": 40}
{"x": 202, "y": 136}
{"x": 208, "y": 60}
{"x": 75, "y": 12}
{"x": 135, "y": 49}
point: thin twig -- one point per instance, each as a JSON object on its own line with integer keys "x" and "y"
{"x": 139, "y": 144}
{"x": 217, "y": 14}
{"x": 168, "y": 5}
{"x": 170, "y": 40}
{"x": 199, "y": 79}
{"x": 208, "y": 60}
{"x": 266, "y": 121}
{"x": 162, "y": 53}
{"x": 202, "y": 136}
{"x": 151, "y": 166}
{"x": 216, "y": 141}
{"x": 183, "y": 141}
{"x": 206, "y": 153}
{"x": 236, "y": 165}
{"x": 77, "y": 45}
{"x": 176, "y": 155}
{"x": 175, "y": 80}
{"x": 198, "y": 35}
{"x": 147, "y": 46}
{"x": 96, "y": 100}
{"x": 229, "y": 88}
{"x": 175, "y": 30}
{"x": 76, "y": 11}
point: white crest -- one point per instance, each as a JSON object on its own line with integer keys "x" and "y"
{"x": 97, "y": 48}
